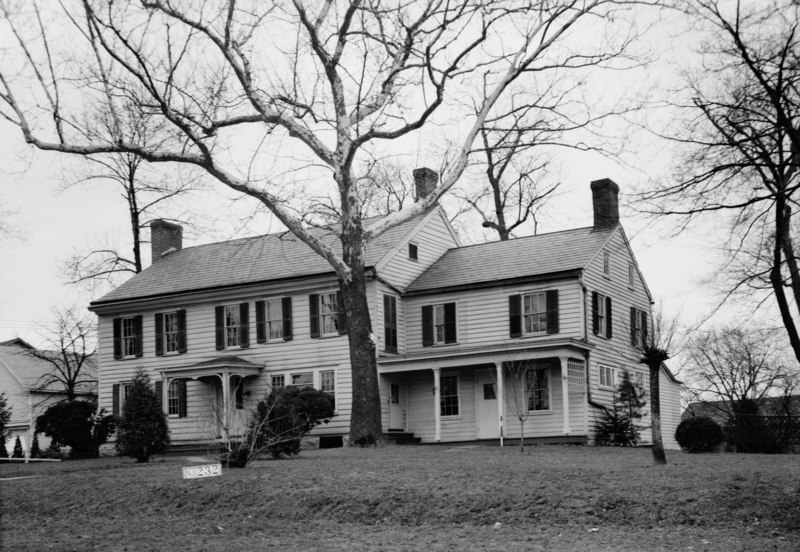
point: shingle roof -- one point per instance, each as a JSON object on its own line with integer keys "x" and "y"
{"x": 32, "y": 371}
{"x": 522, "y": 257}
{"x": 245, "y": 261}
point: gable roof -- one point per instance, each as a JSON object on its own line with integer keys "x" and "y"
{"x": 279, "y": 256}
{"x": 494, "y": 262}
{"x": 30, "y": 371}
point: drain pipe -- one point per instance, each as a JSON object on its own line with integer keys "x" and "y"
{"x": 584, "y": 317}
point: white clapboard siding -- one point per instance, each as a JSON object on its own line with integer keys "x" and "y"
{"x": 482, "y": 315}
{"x": 432, "y": 236}
{"x": 670, "y": 410}
{"x": 302, "y": 353}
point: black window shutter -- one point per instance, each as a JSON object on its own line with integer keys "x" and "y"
{"x": 634, "y": 315}
{"x": 390, "y": 323}
{"x": 159, "y": 334}
{"x": 182, "y": 348}
{"x": 286, "y": 307}
{"x": 427, "y": 325}
{"x": 515, "y": 315}
{"x": 181, "y": 398}
{"x": 115, "y": 400}
{"x": 450, "y": 323}
{"x": 313, "y": 312}
{"x": 261, "y": 330}
{"x": 159, "y": 390}
{"x": 551, "y": 299}
{"x": 138, "y": 327}
{"x": 644, "y": 327}
{"x": 341, "y": 314}
{"x": 595, "y": 314}
{"x": 117, "y": 338}
{"x": 219, "y": 323}
{"x": 609, "y": 319}
{"x": 244, "y": 325}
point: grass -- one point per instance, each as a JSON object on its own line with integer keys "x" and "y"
{"x": 411, "y": 498}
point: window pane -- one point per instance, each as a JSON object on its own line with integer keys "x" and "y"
{"x": 171, "y": 332}
{"x": 327, "y": 384}
{"x": 173, "y": 398}
{"x": 489, "y": 392}
{"x": 277, "y": 381}
{"x": 232, "y": 326}
{"x": 449, "y": 395}
{"x": 538, "y": 391}
{"x": 274, "y": 320}
{"x": 128, "y": 337}
{"x": 395, "y": 393}
{"x": 535, "y": 312}
{"x": 305, "y": 378}
{"x": 328, "y": 311}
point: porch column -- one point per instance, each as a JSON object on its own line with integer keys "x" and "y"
{"x": 437, "y": 405}
{"x": 500, "y": 398}
{"x": 565, "y": 391}
{"x": 226, "y": 397}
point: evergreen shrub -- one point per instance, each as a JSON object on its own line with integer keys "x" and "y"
{"x": 17, "y": 449}
{"x": 76, "y": 424}
{"x": 699, "y": 434}
{"x": 142, "y": 431}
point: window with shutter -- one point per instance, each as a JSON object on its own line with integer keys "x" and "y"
{"x": 602, "y": 324}
{"x": 128, "y": 337}
{"x": 439, "y": 326}
{"x": 533, "y": 313}
{"x": 327, "y": 314}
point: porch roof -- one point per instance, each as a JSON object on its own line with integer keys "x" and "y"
{"x": 446, "y": 357}
{"x": 230, "y": 364}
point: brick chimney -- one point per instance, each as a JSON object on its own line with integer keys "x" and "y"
{"x": 164, "y": 237}
{"x": 425, "y": 181}
{"x": 606, "y": 203}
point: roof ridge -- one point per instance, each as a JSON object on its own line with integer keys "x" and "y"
{"x": 496, "y": 242}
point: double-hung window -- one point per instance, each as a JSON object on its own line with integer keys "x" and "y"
{"x": 439, "y": 324}
{"x": 537, "y": 381}
{"x": 601, "y": 315}
{"x": 170, "y": 332}
{"x": 278, "y": 381}
{"x": 327, "y": 314}
{"x": 607, "y": 377}
{"x": 327, "y": 384}
{"x": 533, "y": 313}
{"x": 448, "y": 395}
{"x": 173, "y": 398}
{"x": 274, "y": 320}
{"x": 127, "y": 337}
{"x": 232, "y": 326}
{"x": 638, "y": 327}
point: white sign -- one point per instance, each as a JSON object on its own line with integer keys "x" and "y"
{"x": 208, "y": 470}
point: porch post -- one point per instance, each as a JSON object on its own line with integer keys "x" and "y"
{"x": 226, "y": 397}
{"x": 565, "y": 391}
{"x": 500, "y": 398}
{"x": 437, "y": 408}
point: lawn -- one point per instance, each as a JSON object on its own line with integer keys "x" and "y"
{"x": 411, "y": 498}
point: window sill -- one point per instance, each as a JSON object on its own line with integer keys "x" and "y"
{"x": 547, "y": 412}
{"x": 605, "y": 388}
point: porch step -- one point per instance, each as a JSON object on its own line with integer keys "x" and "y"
{"x": 401, "y": 438}
{"x": 194, "y": 449}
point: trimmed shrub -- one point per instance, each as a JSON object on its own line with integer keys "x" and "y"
{"x": 699, "y": 434}
{"x": 76, "y": 424}
{"x": 142, "y": 431}
{"x": 17, "y": 449}
{"x": 36, "y": 452}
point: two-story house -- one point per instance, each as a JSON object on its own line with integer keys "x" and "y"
{"x": 467, "y": 337}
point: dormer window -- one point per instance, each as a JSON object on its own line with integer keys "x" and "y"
{"x": 413, "y": 252}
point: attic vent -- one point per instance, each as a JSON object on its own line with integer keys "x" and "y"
{"x": 413, "y": 252}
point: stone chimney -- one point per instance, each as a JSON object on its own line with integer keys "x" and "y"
{"x": 425, "y": 181}
{"x": 165, "y": 237}
{"x": 606, "y": 203}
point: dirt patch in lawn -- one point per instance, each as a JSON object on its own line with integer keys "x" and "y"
{"x": 403, "y": 498}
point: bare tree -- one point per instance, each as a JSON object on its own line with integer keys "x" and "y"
{"x": 234, "y": 82}
{"x": 70, "y": 352}
{"x": 730, "y": 365}
{"x": 519, "y": 393}
{"x": 741, "y": 133}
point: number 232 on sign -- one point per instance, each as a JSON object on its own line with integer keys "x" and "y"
{"x": 208, "y": 470}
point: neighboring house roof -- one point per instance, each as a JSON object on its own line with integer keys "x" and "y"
{"x": 31, "y": 372}
{"x": 498, "y": 261}
{"x": 767, "y": 406}
{"x": 244, "y": 261}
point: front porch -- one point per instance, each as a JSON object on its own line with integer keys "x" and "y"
{"x": 537, "y": 393}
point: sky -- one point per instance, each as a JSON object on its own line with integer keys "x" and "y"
{"x": 49, "y": 224}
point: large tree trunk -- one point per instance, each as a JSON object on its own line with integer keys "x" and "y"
{"x": 783, "y": 243}
{"x": 659, "y": 457}
{"x": 365, "y": 417}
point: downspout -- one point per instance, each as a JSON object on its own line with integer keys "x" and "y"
{"x": 584, "y": 317}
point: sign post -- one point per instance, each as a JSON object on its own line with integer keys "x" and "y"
{"x": 206, "y": 470}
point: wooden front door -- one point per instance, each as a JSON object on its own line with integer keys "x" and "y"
{"x": 487, "y": 405}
